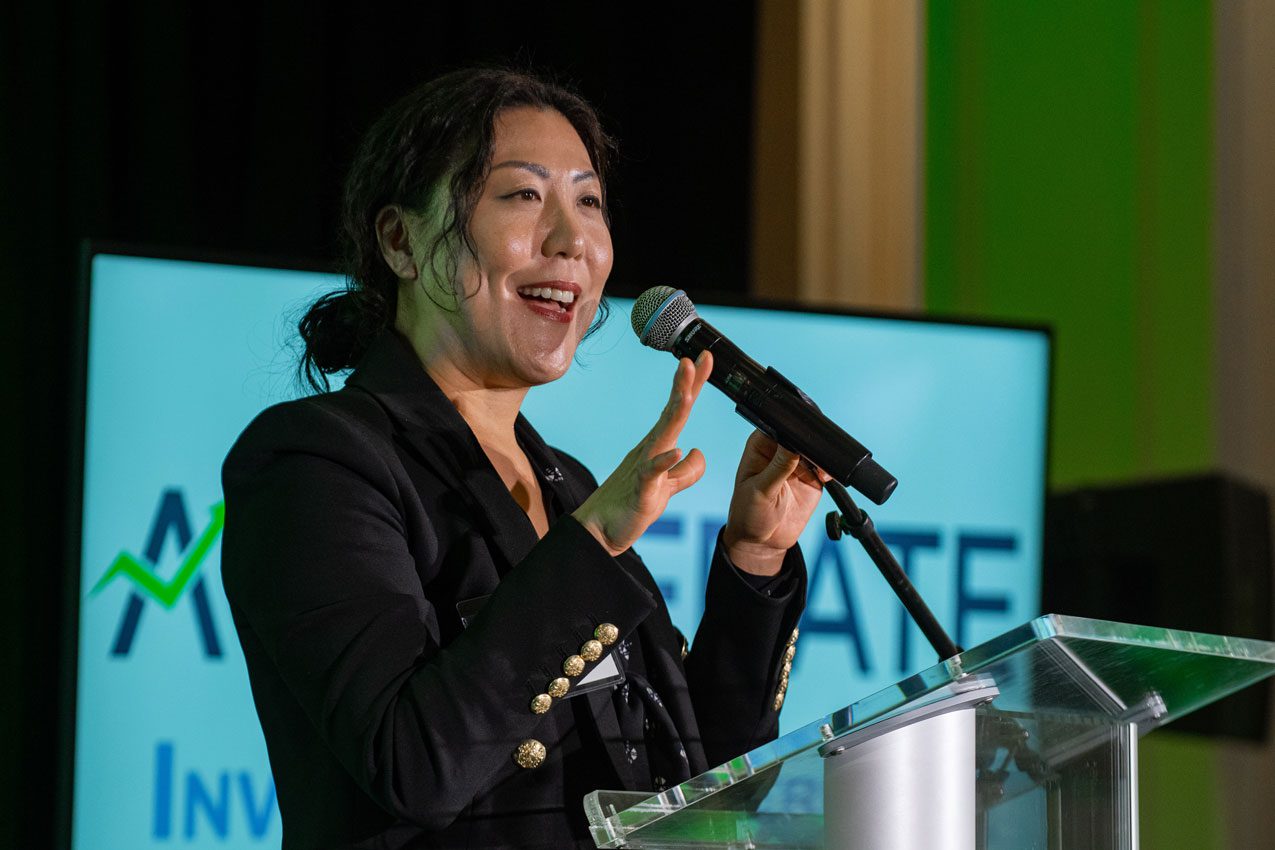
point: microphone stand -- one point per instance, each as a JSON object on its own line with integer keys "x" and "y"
{"x": 858, "y": 524}
{"x": 998, "y": 731}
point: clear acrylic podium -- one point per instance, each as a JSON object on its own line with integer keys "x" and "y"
{"x": 1027, "y": 742}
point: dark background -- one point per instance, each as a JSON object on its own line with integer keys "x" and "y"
{"x": 217, "y": 130}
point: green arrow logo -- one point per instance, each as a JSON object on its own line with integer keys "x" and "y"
{"x": 143, "y": 576}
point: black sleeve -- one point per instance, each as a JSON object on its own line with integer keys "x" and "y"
{"x": 316, "y": 564}
{"x": 780, "y": 584}
{"x": 736, "y": 662}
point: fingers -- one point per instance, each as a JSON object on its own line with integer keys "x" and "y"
{"x": 812, "y": 475}
{"x": 688, "y": 471}
{"x": 660, "y": 464}
{"x": 760, "y": 446}
{"x": 688, "y": 380}
{"x": 663, "y": 433}
{"x": 773, "y": 465}
{"x": 782, "y": 465}
{"x": 703, "y": 368}
{"x": 682, "y": 472}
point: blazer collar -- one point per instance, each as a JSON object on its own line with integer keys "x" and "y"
{"x": 391, "y": 371}
{"x": 431, "y": 426}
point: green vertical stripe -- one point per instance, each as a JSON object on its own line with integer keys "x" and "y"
{"x": 1068, "y": 180}
{"x": 1175, "y": 246}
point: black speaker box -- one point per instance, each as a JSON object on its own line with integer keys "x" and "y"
{"x": 1184, "y": 553}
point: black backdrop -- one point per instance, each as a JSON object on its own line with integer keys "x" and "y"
{"x": 212, "y": 128}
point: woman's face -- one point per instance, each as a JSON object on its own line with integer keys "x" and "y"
{"x": 542, "y": 255}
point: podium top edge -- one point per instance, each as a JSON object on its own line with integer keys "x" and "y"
{"x": 1153, "y": 637}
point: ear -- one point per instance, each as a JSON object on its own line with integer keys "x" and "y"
{"x": 396, "y": 242}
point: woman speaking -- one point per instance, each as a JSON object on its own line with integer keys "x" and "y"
{"x": 421, "y": 585}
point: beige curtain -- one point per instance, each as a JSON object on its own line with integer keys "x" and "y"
{"x": 1244, "y": 292}
{"x": 837, "y": 209}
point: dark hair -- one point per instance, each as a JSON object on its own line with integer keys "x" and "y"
{"x": 438, "y": 138}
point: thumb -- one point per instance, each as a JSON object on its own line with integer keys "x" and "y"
{"x": 781, "y": 466}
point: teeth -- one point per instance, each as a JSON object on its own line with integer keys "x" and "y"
{"x": 560, "y": 295}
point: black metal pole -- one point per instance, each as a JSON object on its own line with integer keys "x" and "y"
{"x": 859, "y": 525}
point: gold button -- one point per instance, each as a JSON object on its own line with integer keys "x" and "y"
{"x": 793, "y": 637}
{"x": 558, "y": 687}
{"x": 789, "y": 653}
{"x": 540, "y": 703}
{"x": 573, "y": 666}
{"x": 591, "y": 650}
{"x": 779, "y": 700}
{"x": 607, "y": 634}
{"x": 530, "y": 753}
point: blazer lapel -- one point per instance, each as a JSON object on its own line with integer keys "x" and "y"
{"x": 571, "y": 492}
{"x": 435, "y": 431}
{"x": 507, "y": 523}
{"x": 441, "y": 439}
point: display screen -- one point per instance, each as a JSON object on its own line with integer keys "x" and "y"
{"x": 182, "y": 355}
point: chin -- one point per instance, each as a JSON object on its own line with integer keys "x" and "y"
{"x": 541, "y": 370}
{"x": 540, "y": 376}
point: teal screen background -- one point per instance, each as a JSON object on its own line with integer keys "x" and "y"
{"x": 182, "y": 355}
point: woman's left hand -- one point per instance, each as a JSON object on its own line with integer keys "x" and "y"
{"x": 775, "y": 494}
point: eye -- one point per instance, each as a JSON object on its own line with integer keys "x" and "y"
{"x": 524, "y": 195}
{"x": 592, "y": 201}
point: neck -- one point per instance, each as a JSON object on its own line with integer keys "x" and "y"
{"x": 490, "y": 411}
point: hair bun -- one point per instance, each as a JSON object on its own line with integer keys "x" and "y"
{"x": 337, "y": 330}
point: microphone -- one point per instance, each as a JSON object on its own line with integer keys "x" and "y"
{"x": 665, "y": 319}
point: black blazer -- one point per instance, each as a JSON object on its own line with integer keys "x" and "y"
{"x": 355, "y": 523}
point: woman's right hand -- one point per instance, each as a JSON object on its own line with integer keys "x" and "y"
{"x": 635, "y": 495}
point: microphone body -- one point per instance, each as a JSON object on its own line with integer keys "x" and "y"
{"x": 761, "y": 394}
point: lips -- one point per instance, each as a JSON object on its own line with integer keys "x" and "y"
{"x": 551, "y": 299}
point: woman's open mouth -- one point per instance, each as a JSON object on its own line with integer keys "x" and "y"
{"x": 553, "y": 301}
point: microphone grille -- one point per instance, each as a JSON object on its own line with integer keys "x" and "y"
{"x": 659, "y": 314}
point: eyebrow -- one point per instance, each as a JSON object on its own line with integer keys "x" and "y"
{"x": 542, "y": 172}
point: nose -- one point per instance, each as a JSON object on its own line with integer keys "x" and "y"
{"x": 565, "y": 235}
